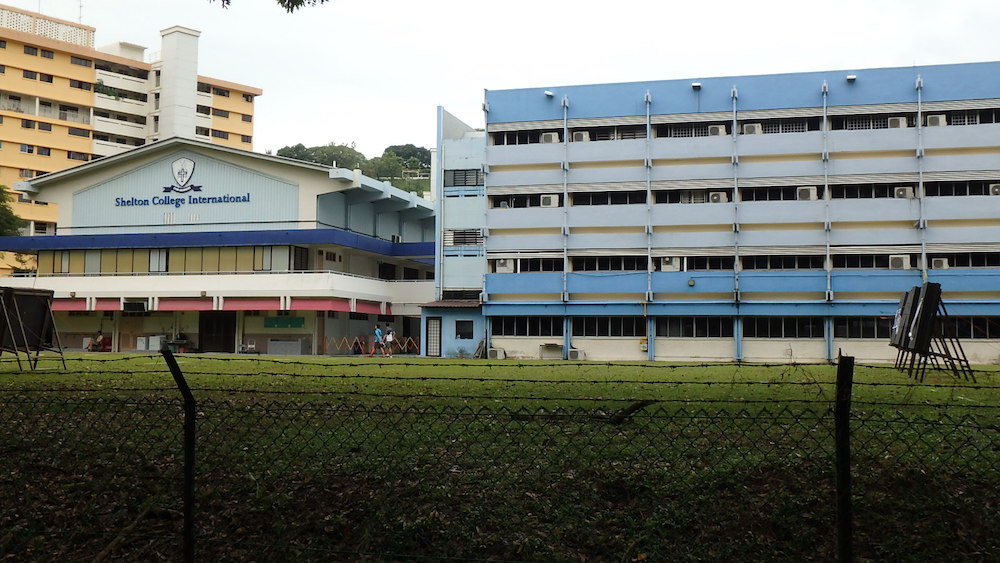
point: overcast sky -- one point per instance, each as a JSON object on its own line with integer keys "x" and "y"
{"x": 372, "y": 72}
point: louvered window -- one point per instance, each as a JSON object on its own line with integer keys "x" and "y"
{"x": 463, "y": 237}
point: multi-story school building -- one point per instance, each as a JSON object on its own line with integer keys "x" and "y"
{"x": 750, "y": 218}
{"x": 215, "y": 249}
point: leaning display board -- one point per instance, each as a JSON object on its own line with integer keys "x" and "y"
{"x": 919, "y": 336}
{"x": 28, "y": 326}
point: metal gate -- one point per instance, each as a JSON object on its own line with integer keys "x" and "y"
{"x": 433, "y": 334}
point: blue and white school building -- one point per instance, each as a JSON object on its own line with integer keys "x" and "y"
{"x": 751, "y": 218}
{"x": 218, "y": 249}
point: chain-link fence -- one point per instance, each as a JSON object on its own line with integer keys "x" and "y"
{"x": 85, "y": 476}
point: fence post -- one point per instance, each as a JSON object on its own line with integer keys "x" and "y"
{"x": 190, "y": 411}
{"x": 842, "y": 438}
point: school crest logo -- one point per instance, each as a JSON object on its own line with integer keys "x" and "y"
{"x": 183, "y": 169}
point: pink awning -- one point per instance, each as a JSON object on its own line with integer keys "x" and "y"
{"x": 372, "y": 308}
{"x": 69, "y": 304}
{"x": 251, "y": 304}
{"x": 305, "y": 304}
{"x": 105, "y": 304}
{"x": 185, "y": 304}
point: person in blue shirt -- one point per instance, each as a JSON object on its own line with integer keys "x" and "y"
{"x": 378, "y": 344}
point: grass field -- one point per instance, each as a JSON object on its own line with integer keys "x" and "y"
{"x": 314, "y": 458}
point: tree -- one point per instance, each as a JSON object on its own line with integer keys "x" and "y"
{"x": 406, "y": 152}
{"x": 343, "y": 156}
{"x": 10, "y": 224}
{"x": 289, "y": 5}
{"x": 386, "y": 167}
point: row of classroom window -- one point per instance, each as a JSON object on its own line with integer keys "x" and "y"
{"x": 764, "y": 262}
{"x": 750, "y": 127}
{"x": 723, "y": 327}
{"x": 722, "y": 195}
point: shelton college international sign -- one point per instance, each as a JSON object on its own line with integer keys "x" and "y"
{"x": 183, "y": 171}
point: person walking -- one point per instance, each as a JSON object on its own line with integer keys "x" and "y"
{"x": 390, "y": 337}
{"x": 378, "y": 344}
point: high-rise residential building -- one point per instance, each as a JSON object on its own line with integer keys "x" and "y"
{"x": 64, "y": 102}
{"x": 749, "y": 218}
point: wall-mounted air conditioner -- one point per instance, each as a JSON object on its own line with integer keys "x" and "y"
{"x": 717, "y": 130}
{"x": 898, "y": 123}
{"x": 805, "y": 193}
{"x": 753, "y": 129}
{"x": 581, "y": 136}
{"x": 899, "y": 261}
{"x": 496, "y": 353}
{"x": 549, "y": 200}
{"x": 504, "y": 266}
{"x": 903, "y": 192}
{"x": 575, "y": 354}
{"x": 670, "y": 264}
{"x": 718, "y": 197}
{"x": 937, "y": 120}
{"x": 550, "y": 137}
{"x": 994, "y": 189}
{"x": 939, "y": 263}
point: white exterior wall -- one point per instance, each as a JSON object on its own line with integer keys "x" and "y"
{"x": 611, "y": 348}
{"x": 694, "y": 349}
{"x": 178, "y": 82}
{"x": 774, "y": 350}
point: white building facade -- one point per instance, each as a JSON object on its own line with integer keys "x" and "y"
{"x": 749, "y": 218}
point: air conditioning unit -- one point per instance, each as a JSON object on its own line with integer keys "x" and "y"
{"x": 899, "y": 262}
{"x": 994, "y": 189}
{"x": 550, "y": 200}
{"x": 805, "y": 193}
{"x": 898, "y": 123}
{"x": 504, "y": 266}
{"x": 939, "y": 263}
{"x": 575, "y": 354}
{"x": 496, "y": 353}
{"x": 903, "y": 192}
{"x": 716, "y": 130}
{"x": 752, "y": 128}
{"x": 937, "y": 120}
{"x": 718, "y": 197}
{"x": 550, "y": 137}
{"x": 670, "y": 264}
{"x": 581, "y": 136}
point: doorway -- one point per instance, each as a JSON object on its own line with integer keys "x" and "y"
{"x": 433, "y": 333}
{"x": 217, "y": 331}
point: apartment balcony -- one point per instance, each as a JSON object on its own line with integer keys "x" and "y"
{"x": 121, "y": 81}
{"x": 120, "y": 105}
{"x": 27, "y": 107}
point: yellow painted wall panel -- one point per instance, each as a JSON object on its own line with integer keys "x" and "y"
{"x": 140, "y": 260}
{"x": 210, "y": 259}
{"x": 244, "y": 259}
{"x": 76, "y": 261}
{"x": 193, "y": 260}
{"x": 124, "y": 261}
{"x": 109, "y": 260}
{"x": 227, "y": 259}
{"x": 46, "y": 261}
{"x": 176, "y": 260}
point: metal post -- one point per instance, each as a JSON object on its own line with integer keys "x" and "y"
{"x": 190, "y": 411}
{"x": 842, "y": 438}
